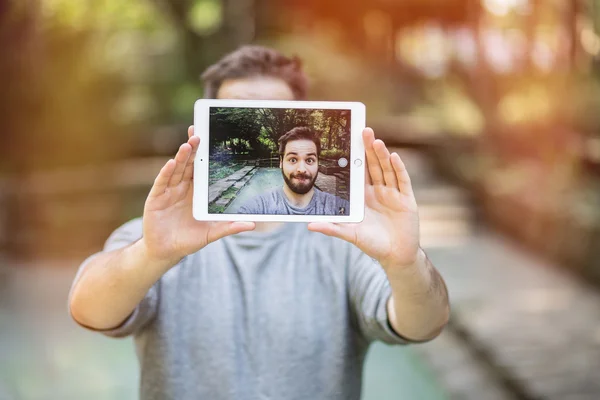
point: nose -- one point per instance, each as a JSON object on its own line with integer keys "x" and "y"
{"x": 301, "y": 167}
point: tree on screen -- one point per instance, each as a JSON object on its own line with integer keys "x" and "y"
{"x": 257, "y": 130}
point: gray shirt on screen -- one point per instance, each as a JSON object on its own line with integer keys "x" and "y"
{"x": 275, "y": 202}
{"x": 287, "y": 314}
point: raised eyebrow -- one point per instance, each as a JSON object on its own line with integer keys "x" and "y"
{"x": 291, "y": 153}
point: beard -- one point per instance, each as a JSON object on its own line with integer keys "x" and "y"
{"x": 299, "y": 187}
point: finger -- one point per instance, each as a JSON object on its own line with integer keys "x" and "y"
{"x": 221, "y": 229}
{"x": 383, "y": 155}
{"x": 372, "y": 161}
{"x": 190, "y": 131}
{"x": 404, "y": 183}
{"x": 162, "y": 179}
{"x": 188, "y": 173}
{"x": 368, "y": 179}
{"x": 342, "y": 231}
{"x": 181, "y": 159}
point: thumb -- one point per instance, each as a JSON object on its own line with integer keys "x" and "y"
{"x": 219, "y": 230}
{"x": 345, "y": 232}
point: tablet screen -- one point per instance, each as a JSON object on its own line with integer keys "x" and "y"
{"x": 284, "y": 161}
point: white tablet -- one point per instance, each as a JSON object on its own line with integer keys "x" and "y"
{"x": 295, "y": 161}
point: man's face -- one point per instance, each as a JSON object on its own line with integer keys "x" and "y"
{"x": 300, "y": 165}
{"x": 300, "y": 180}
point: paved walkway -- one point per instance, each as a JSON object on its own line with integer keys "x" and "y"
{"x": 219, "y": 187}
{"x": 45, "y": 355}
{"x": 538, "y": 327}
{"x": 326, "y": 183}
{"x": 333, "y": 184}
{"x": 521, "y": 327}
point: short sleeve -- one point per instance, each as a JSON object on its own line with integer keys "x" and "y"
{"x": 369, "y": 291}
{"x": 147, "y": 308}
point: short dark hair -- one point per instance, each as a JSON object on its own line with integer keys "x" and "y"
{"x": 249, "y": 61}
{"x": 299, "y": 133}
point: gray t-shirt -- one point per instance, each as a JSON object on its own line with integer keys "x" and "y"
{"x": 275, "y": 202}
{"x": 287, "y": 314}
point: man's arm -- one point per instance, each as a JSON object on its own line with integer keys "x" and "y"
{"x": 390, "y": 234}
{"x": 418, "y": 308}
{"x": 112, "y": 284}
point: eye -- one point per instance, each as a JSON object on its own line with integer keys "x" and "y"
{"x": 310, "y": 161}
{"x": 292, "y": 160}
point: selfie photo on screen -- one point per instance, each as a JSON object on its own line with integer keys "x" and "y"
{"x": 277, "y": 161}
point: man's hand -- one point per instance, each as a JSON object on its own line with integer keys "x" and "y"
{"x": 418, "y": 308}
{"x": 390, "y": 229}
{"x": 170, "y": 230}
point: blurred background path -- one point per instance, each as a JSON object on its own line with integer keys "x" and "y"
{"x": 527, "y": 329}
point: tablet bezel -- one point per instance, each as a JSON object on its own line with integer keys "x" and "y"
{"x": 357, "y": 160}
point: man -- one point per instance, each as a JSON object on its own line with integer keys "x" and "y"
{"x": 284, "y": 312}
{"x": 299, "y": 151}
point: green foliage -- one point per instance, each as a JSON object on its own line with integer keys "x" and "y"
{"x": 183, "y": 98}
{"x": 257, "y": 130}
{"x": 333, "y": 153}
{"x": 79, "y": 88}
{"x": 102, "y": 16}
{"x": 265, "y": 140}
{"x": 205, "y": 16}
{"x": 228, "y": 125}
{"x": 215, "y": 209}
{"x": 219, "y": 170}
{"x": 229, "y": 193}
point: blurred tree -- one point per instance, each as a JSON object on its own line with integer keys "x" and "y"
{"x": 209, "y": 28}
{"x": 18, "y": 42}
